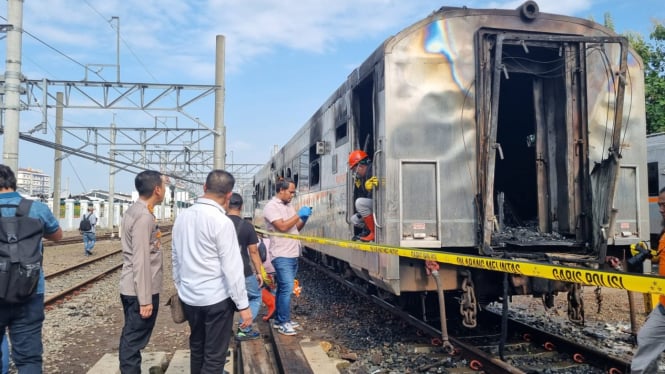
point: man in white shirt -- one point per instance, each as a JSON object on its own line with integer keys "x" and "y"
{"x": 208, "y": 274}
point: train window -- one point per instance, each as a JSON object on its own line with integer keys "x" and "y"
{"x": 288, "y": 172}
{"x": 313, "y": 156}
{"x": 314, "y": 173}
{"x": 314, "y": 166}
{"x": 334, "y": 164}
{"x": 303, "y": 167}
{"x": 341, "y": 134}
{"x": 652, "y": 171}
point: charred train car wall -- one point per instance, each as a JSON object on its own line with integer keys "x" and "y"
{"x": 482, "y": 124}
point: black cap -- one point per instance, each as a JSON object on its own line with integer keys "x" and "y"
{"x": 235, "y": 200}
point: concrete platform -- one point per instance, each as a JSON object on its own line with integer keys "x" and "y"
{"x": 153, "y": 363}
{"x": 157, "y": 363}
{"x": 109, "y": 363}
{"x": 180, "y": 363}
{"x": 318, "y": 359}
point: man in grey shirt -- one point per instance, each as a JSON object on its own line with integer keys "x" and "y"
{"x": 141, "y": 277}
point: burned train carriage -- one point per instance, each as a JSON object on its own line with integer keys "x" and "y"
{"x": 508, "y": 133}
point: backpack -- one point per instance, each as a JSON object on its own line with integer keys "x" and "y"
{"x": 263, "y": 251}
{"x": 20, "y": 253}
{"x": 85, "y": 225}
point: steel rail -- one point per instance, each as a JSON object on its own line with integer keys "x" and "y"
{"x": 490, "y": 364}
{"x": 81, "y": 264}
{"x": 60, "y": 295}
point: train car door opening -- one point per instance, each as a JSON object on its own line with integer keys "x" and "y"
{"x": 362, "y": 130}
{"x": 531, "y": 158}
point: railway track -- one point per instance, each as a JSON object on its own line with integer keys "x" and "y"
{"x": 534, "y": 350}
{"x": 526, "y": 349}
{"x": 271, "y": 354}
{"x": 165, "y": 227}
{"x": 64, "y": 283}
{"x": 79, "y": 239}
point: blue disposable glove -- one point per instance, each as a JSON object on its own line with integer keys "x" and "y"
{"x": 304, "y": 213}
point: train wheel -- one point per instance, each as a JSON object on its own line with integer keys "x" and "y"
{"x": 548, "y": 346}
{"x": 577, "y": 357}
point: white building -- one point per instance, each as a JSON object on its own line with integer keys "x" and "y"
{"x": 33, "y": 182}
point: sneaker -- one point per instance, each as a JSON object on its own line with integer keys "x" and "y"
{"x": 247, "y": 335}
{"x": 276, "y": 325}
{"x": 286, "y": 329}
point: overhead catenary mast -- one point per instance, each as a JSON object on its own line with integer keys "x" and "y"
{"x": 12, "y": 83}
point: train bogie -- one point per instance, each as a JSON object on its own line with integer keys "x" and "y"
{"x": 491, "y": 132}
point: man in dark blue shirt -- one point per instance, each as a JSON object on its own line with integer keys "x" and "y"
{"x": 25, "y": 320}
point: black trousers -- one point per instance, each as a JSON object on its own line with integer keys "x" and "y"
{"x": 135, "y": 333}
{"x": 211, "y": 328}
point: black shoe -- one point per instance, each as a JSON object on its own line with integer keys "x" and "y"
{"x": 362, "y": 234}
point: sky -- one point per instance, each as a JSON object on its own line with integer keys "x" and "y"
{"x": 283, "y": 60}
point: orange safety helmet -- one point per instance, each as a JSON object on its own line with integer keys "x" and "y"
{"x": 355, "y": 157}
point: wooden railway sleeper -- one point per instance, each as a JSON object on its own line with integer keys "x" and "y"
{"x": 433, "y": 268}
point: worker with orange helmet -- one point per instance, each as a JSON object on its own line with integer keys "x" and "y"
{"x": 365, "y": 182}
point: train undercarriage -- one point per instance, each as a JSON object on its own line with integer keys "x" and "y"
{"x": 457, "y": 290}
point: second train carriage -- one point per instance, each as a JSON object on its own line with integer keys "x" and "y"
{"x": 656, "y": 182}
{"x": 496, "y": 132}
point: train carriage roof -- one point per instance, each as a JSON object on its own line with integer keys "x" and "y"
{"x": 367, "y": 67}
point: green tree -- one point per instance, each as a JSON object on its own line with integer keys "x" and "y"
{"x": 652, "y": 52}
{"x": 655, "y": 81}
{"x": 653, "y": 55}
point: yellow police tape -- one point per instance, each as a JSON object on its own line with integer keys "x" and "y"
{"x": 590, "y": 277}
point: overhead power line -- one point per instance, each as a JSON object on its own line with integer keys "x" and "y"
{"x": 95, "y": 157}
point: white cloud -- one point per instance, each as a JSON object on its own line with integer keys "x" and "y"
{"x": 165, "y": 33}
{"x": 175, "y": 35}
